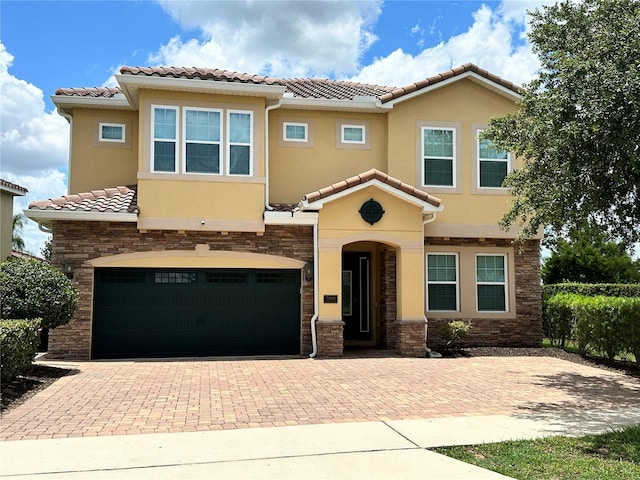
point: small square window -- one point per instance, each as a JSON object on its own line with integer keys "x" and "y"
{"x": 112, "y": 132}
{"x": 295, "y": 132}
{"x": 353, "y": 134}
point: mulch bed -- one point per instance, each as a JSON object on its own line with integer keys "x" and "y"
{"x": 26, "y": 386}
{"x": 41, "y": 376}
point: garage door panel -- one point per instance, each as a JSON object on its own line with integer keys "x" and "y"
{"x": 161, "y": 312}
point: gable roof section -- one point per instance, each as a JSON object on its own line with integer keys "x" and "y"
{"x": 297, "y": 88}
{"x": 111, "y": 204}
{"x": 315, "y": 200}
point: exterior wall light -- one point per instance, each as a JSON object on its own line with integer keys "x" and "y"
{"x": 308, "y": 271}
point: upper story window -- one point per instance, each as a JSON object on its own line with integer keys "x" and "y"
{"x": 442, "y": 282}
{"x": 200, "y": 148}
{"x": 239, "y": 148}
{"x": 202, "y": 140}
{"x": 295, "y": 132}
{"x": 353, "y": 134}
{"x": 493, "y": 164}
{"x": 112, "y": 132}
{"x": 164, "y": 135}
{"x": 438, "y": 157}
{"x": 491, "y": 283}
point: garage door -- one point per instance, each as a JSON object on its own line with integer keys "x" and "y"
{"x": 179, "y": 312}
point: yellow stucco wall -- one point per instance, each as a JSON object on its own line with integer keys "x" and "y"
{"x": 466, "y": 106}
{"x": 300, "y": 168}
{"x": 6, "y": 223}
{"x": 95, "y": 164}
{"x": 341, "y": 226}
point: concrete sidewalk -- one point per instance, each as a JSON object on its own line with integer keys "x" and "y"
{"x": 367, "y": 450}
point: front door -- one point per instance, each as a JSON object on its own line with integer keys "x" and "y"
{"x": 356, "y": 296}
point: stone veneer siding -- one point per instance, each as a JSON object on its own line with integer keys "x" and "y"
{"x": 388, "y": 299}
{"x": 525, "y": 330}
{"x": 79, "y": 242}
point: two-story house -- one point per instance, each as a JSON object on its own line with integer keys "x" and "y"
{"x": 220, "y": 213}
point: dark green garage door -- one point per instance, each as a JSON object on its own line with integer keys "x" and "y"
{"x": 178, "y": 312}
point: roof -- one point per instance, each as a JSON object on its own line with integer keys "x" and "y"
{"x": 12, "y": 188}
{"x": 109, "y": 200}
{"x": 368, "y": 176}
{"x": 297, "y": 87}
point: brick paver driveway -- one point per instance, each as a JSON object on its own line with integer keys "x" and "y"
{"x": 146, "y": 396}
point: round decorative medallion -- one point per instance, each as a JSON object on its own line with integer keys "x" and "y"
{"x": 371, "y": 211}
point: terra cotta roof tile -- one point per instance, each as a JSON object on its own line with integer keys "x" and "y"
{"x": 110, "y": 200}
{"x": 298, "y": 87}
{"x": 365, "y": 177}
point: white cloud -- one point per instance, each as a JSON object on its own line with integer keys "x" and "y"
{"x": 495, "y": 41}
{"x": 284, "y": 38}
{"x": 34, "y": 145}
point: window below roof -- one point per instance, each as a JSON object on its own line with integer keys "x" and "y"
{"x": 111, "y": 132}
{"x": 194, "y": 140}
{"x": 295, "y": 132}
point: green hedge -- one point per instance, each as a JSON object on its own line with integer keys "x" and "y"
{"x": 609, "y": 325}
{"x": 593, "y": 289}
{"x": 18, "y": 346}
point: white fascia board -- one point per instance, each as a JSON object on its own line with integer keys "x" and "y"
{"x": 47, "y": 216}
{"x": 361, "y": 104}
{"x": 16, "y": 192}
{"x": 118, "y": 101}
{"x": 130, "y": 84}
{"x": 290, "y": 218}
{"x": 472, "y": 75}
{"x": 426, "y": 207}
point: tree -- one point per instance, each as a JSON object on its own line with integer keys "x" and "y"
{"x": 578, "y": 124}
{"x": 47, "y": 249}
{"x": 35, "y": 289}
{"x": 17, "y": 242}
{"x": 589, "y": 257}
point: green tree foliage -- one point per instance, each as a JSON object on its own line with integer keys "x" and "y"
{"x": 578, "y": 125}
{"x": 589, "y": 257}
{"x": 17, "y": 242}
{"x": 34, "y": 289}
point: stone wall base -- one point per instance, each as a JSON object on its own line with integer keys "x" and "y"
{"x": 330, "y": 338}
{"x": 410, "y": 338}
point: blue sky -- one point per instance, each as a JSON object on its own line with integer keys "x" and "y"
{"x": 45, "y": 45}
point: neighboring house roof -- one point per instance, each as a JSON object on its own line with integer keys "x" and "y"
{"x": 109, "y": 200}
{"x": 12, "y": 188}
{"x": 297, "y": 87}
{"x": 365, "y": 178}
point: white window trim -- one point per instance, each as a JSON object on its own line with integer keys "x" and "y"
{"x": 353, "y": 142}
{"x": 505, "y": 283}
{"x": 111, "y": 140}
{"x": 229, "y": 143}
{"x": 184, "y": 140}
{"x": 295, "y": 124}
{"x": 479, "y": 160}
{"x": 457, "y": 282}
{"x": 453, "y": 159}
{"x": 153, "y": 137}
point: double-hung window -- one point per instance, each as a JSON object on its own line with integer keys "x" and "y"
{"x": 491, "y": 283}
{"x": 438, "y": 157}
{"x": 442, "y": 282}
{"x": 493, "y": 164}
{"x": 165, "y": 144}
{"x": 239, "y": 153}
{"x": 202, "y": 133}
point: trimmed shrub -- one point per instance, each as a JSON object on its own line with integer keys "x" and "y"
{"x": 560, "y": 318}
{"x": 630, "y": 318}
{"x": 592, "y": 290}
{"x": 18, "y": 345}
{"x": 455, "y": 332}
{"x": 35, "y": 289}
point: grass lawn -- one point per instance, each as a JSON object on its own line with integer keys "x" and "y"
{"x": 611, "y": 456}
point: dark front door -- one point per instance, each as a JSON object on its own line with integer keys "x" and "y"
{"x": 356, "y": 296}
